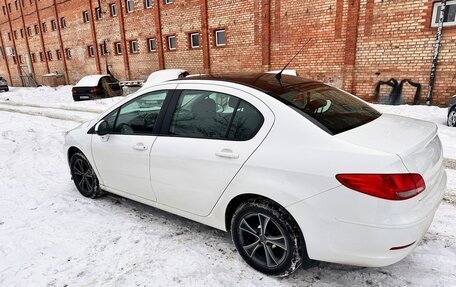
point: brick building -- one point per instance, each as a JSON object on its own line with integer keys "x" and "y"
{"x": 355, "y": 43}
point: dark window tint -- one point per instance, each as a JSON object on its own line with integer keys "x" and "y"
{"x": 205, "y": 114}
{"x": 140, "y": 115}
{"x": 332, "y": 109}
{"x": 111, "y": 118}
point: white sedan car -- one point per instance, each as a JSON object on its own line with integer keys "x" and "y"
{"x": 295, "y": 169}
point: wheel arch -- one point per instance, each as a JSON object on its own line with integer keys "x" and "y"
{"x": 236, "y": 201}
{"x": 71, "y": 151}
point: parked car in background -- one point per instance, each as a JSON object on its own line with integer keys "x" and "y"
{"x": 95, "y": 87}
{"x": 451, "y": 118}
{"x": 3, "y": 85}
{"x": 163, "y": 76}
{"x": 295, "y": 169}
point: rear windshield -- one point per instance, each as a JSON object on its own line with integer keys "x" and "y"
{"x": 333, "y": 110}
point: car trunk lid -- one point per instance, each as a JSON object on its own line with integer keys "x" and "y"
{"x": 415, "y": 141}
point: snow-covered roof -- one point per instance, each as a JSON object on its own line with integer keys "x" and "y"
{"x": 89, "y": 81}
{"x": 163, "y": 76}
{"x": 285, "y": 72}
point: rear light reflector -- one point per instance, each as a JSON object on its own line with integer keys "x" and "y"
{"x": 387, "y": 186}
{"x": 402, "y": 247}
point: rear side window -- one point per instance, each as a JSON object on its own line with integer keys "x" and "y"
{"x": 330, "y": 108}
{"x": 212, "y": 115}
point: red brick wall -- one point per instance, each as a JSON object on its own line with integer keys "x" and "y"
{"x": 355, "y": 43}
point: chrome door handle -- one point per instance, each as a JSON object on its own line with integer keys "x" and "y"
{"x": 227, "y": 153}
{"x": 139, "y": 146}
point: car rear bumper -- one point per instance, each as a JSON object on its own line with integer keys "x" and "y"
{"x": 346, "y": 227}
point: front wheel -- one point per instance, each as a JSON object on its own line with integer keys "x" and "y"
{"x": 266, "y": 237}
{"x": 84, "y": 177}
{"x": 452, "y": 117}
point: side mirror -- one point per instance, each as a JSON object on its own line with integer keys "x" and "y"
{"x": 102, "y": 128}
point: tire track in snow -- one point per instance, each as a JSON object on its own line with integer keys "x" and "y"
{"x": 87, "y": 109}
{"x": 50, "y": 112}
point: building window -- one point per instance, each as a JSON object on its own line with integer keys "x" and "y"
{"x": 68, "y": 53}
{"x": 14, "y": 60}
{"x": 85, "y": 16}
{"x": 90, "y": 50}
{"x": 41, "y": 56}
{"x": 103, "y": 49}
{"x": 98, "y": 13}
{"x": 194, "y": 40}
{"x": 53, "y": 25}
{"x": 2, "y": 54}
{"x": 21, "y": 59}
{"x": 134, "y": 47}
{"x": 29, "y": 31}
{"x": 152, "y": 44}
{"x": 59, "y": 54}
{"x": 9, "y": 7}
{"x": 129, "y": 6}
{"x": 15, "y": 34}
{"x": 118, "y": 48}
{"x": 9, "y": 36}
{"x": 44, "y": 27}
{"x": 168, "y": 1}
{"x": 4, "y": 10}
{"x": 23, "y": 3}
{"x": 171, "y": 40}
{"x": 49, "y": 54}
{"x": 449, "y": 19}
{"x": 37, "y": 29}
{"x": 22, "y": 33}
{"x": 113, "y": 9}
{"x": 33, "y": 58}
{"x": 63, "y": 22}
{"x": 147, "y": 4}
{"x": 220, "y": 39}
{"x": 15, "y": 3}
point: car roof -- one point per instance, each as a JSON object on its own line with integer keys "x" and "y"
{"x": 265, "y": 82}
{"x": 90, "y": 81}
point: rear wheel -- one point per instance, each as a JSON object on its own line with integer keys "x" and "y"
{"x": 266, "y": 237}
{"x": 452, "y": 117}
{"x": 84, "y": 177}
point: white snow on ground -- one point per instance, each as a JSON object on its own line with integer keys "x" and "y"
{"x": 52, "y": 236}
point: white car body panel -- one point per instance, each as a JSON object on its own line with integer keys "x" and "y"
{"x": 292, "y": 162}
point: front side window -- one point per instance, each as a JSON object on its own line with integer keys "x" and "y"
{"x": 449, "y": 18}
{"x": 139, "y": 116}
{"x": 212, "y": 115}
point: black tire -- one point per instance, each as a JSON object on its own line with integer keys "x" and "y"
{"x": 84, "y": 177}
{"x": 267, "y": 237}
{"x": 451, "y": 120}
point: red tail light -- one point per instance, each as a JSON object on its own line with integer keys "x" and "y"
{"x": 73, "y": 90}
{"x": 95, "y": 90}
{"x": 387, "y": 186}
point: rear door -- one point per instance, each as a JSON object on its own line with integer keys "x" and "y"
{"x": 122, "y": 157}
{"x": 210, "y": 133}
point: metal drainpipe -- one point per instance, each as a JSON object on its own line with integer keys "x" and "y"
{"x": 435, "y": 59}
{"x": 43, "y": 46}
{"x": 19, "y": 72}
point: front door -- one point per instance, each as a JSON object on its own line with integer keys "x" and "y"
{"x": 122, "y": 157}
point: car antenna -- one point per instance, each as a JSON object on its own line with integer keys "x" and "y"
{"x": 278, "y": 76}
